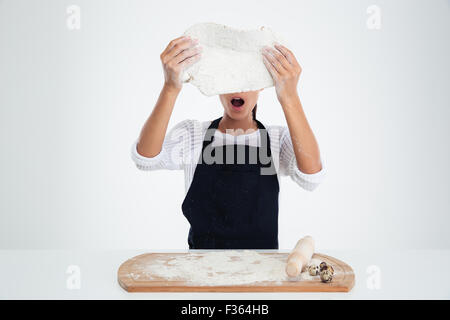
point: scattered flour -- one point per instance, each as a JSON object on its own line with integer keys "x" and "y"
{"x": 214, "y": 268}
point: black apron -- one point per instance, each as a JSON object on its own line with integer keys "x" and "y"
{"x": 230, "y": 204}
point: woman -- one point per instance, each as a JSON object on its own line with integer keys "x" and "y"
{"x": 231, "y": 164}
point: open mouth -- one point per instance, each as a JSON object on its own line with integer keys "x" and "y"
{"x": 237, "y": 102}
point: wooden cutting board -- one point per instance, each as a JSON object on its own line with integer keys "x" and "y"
{"x": 133, "y": 276}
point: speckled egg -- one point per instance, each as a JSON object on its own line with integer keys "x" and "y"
{"x": 326, "y": 273}
{"x": 322, "y": 266}
{"x": 313, "y": 270}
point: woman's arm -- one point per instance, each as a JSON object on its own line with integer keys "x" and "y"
{"x": 179, "y": 54}
{"x": 285, "y": 71}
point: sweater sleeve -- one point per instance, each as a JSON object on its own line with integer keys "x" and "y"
{"x": 288, "y": 164}
{"x": 173, "y": 152}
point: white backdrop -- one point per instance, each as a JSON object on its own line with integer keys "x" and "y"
{"x": 73, "y": 101}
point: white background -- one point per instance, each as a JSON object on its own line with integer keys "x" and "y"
{"x": 73, "y": 101}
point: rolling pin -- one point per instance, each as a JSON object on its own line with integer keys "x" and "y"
{"x": 300, "y": 256}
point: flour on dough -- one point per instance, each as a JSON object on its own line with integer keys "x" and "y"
{"x": 231, "y": 59}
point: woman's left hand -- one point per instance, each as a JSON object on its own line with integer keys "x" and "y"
{"x": 285, "y": 71}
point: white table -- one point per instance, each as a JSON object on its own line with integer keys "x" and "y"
{"x": 42, "y": 274}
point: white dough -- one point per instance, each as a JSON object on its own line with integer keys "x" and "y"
{"x": 231, "y": 59}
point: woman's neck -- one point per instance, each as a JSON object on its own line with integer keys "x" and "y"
{"x": 246, "y": 125}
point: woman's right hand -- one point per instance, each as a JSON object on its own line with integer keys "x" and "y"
{"x": 179, "y": 54}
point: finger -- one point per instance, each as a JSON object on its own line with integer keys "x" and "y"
{"x": 189, "y": 61}
{"x": 179, "y": 47}
{"x": 287, "y": 53}
{"x": 270, "y": 67}
{"x": 172, "y": 43}
{"x": 187, "y": 54}
{"x": 277, "y": 65}
{"x": 280, "y": 57}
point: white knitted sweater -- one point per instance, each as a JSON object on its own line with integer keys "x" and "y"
{"x": 183, "y": 144}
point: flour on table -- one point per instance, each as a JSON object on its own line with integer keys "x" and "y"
{"x": 214, "y": 268}
{"x": 231, "y": 60}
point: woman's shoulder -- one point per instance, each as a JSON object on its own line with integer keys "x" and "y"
{"x": 277, "y": 132}
{"x": 189, "y": 128}
{"x": 274, "y": 127}
{"x": 198, "y": 125}
{"x": 191, "y": 124}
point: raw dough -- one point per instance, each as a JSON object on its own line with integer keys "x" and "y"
{"x": 231, "y": 59}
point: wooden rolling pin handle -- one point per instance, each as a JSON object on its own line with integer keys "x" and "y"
{"x": 300, "y": 256}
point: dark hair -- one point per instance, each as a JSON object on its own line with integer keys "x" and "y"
{"x": 254, "y": 112}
